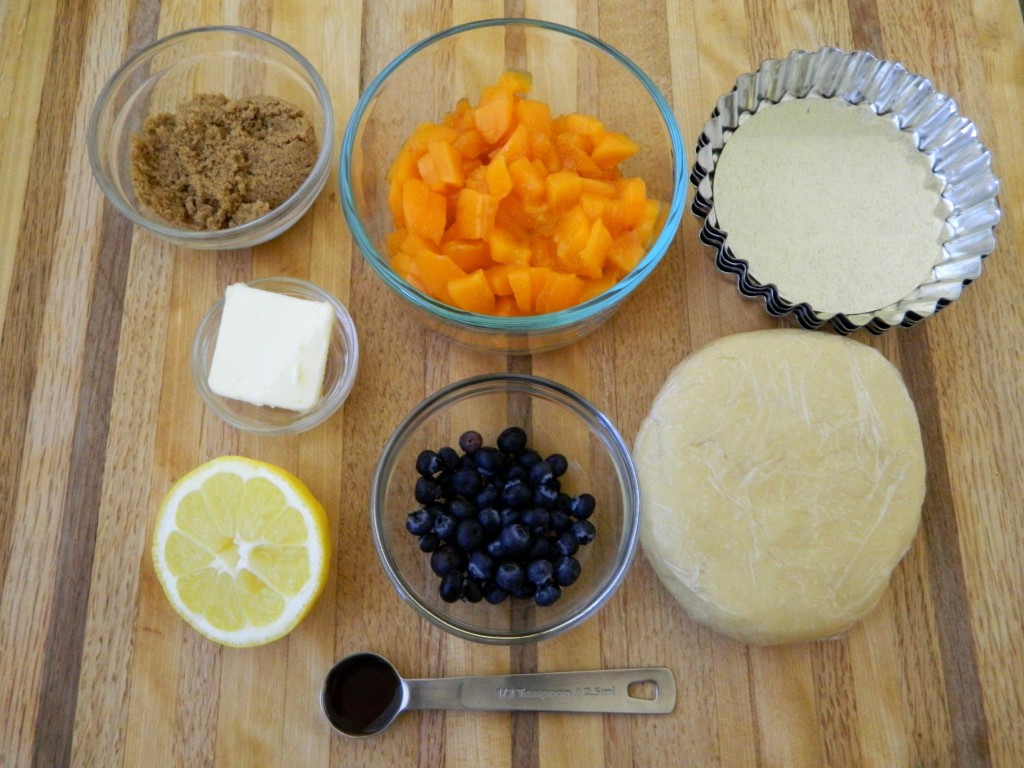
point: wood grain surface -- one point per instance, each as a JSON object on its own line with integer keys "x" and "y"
{"x": 98, "y": 416}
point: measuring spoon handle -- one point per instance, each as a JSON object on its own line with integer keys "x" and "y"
{"x": 605, "y": 691}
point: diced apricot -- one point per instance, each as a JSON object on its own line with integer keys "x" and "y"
{"x": 612, "y": 148}
{"x": 505, "y": 306}
{"x": 571, "y": 235}
{"x": 470, "y": 255}
{"x": 474, "y": 214}
{"x": 515, "y": 81}
{"x": 563, "y": 189}
{"x": 516, "y": 145}
{"x": 498, "y": 278}
{"x": 627, "y": 250}
{"x": 436, "y": 271}
{"x": 470, "y": 144}
{"x": 506, "y": 248}
{"x": 497, "y": 178}
{"x": 561, "y": 291}
{"x": 520, "y": 282}
{"x": 423, "y": 210}
{"x": 527, "y": 180}
{"x": 447, "y": 163}
{"x": 493, "y": 118}
{"x": 594, "y": 253}
{"x": 535, "y": 115}
{"x": 472, "y": 293}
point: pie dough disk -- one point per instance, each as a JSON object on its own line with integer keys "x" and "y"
{"x": 782, "y": 477}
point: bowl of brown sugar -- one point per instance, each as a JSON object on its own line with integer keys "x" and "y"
{"x": 213, "y": 138}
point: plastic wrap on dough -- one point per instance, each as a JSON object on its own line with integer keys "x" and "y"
{"x": 782, "y": 475}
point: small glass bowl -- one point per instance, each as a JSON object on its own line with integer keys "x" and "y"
{"x": 572, "y": 72}
{"x": 234, "y": 61}
{"x": 556, "y": 419}
{"x": 339, "y": 376}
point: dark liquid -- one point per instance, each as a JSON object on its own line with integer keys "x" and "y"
{"x": 361, "y": 694}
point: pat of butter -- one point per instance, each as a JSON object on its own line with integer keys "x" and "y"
{"x": 271, "y": 348}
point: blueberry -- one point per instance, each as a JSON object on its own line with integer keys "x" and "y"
{"x": 509, "y": 516}
{"x": 582, "y": 506}
{"x": 563, "y": 502}
{"x": 536, "y": 519}
{"x": 512, "y": 440}
{"x": 559, "y": 464}
{"x": 470, "y": 441}
{"x": 517, "y": 493}
{"x": 489, "y": 496}
{"x": 516, "y": 472}
{"x": 481, "y": 565}
{"x": 469, "y": 535}
{"x": 566, "y": 543}
{"x": 429, "y": 542}
{"x": 490, "y": 519}
{"x": 427, "y": 490}
{"x": 419, "y": 521}
{"x": 545, "y": 495}
{"x": 584, "y": 532}
{"x": 527, "y": 458}
{"x": 445, "y": 525}
{"x": 543, "y": 547}
{"x": 472, "y": 591}
{"x": 567, "y": 570}
{"x": 427, "y": 463}
{"x": 547, "y": 594}
{"x": 445, "y": 560}
{"x": 494, "y": 548}
{"x": 461, "y": 508}
{"x": 541, "y": 473}
{"x": 449, "y": 457}
{"x": 494, "y": 594}
{"x": 526, "y": 590}
{"x": 490, "y": 461}
{"x": 451, "y": 587}
{"x": 515, "y": 539}
{"x": 467, "y": 481}
{"x": 539, "y": 571}
{"x": 559, "y": 521}
{"x": 510, "y": 576}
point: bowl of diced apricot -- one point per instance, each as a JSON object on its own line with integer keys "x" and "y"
{"x": 512, "y": 181}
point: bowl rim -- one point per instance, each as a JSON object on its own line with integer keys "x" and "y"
{"x": 552, "y": 321}
{"x": 308, "y": 188}
{"x": 599, "y": 424}
{"x": 328, "y": 404}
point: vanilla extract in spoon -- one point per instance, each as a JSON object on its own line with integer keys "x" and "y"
{"x": 363, "y": 693}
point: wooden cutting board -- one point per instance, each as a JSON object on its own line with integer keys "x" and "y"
{"x": 98, "y": 416}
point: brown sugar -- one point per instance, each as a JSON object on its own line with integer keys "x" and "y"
{"x": 217, "y": 163}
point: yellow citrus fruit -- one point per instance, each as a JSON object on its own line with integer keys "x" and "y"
{"x": 241, "y": 548}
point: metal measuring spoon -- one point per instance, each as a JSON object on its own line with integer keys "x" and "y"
{"x": 363, "y": 693}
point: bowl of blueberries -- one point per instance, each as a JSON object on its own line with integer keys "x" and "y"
{"x": 505, "y": 509}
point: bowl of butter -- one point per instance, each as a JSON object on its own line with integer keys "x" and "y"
{"x": 276, "y": 355}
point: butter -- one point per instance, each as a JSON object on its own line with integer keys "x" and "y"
{"x": 271, "y": 348}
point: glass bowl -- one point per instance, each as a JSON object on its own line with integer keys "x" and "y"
{"x": 339, "y": 376}
{"x": 556, "y": 419}
{"x": 233, "y": 61}
{"x": 572, "y": 72}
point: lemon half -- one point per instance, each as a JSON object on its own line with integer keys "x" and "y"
{"x": 241, "y": 548}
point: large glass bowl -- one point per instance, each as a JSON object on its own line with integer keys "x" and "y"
{"x": 572, "y": 72}
{"x": 556, "y": 419}
{"x": 233, "y": 61}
